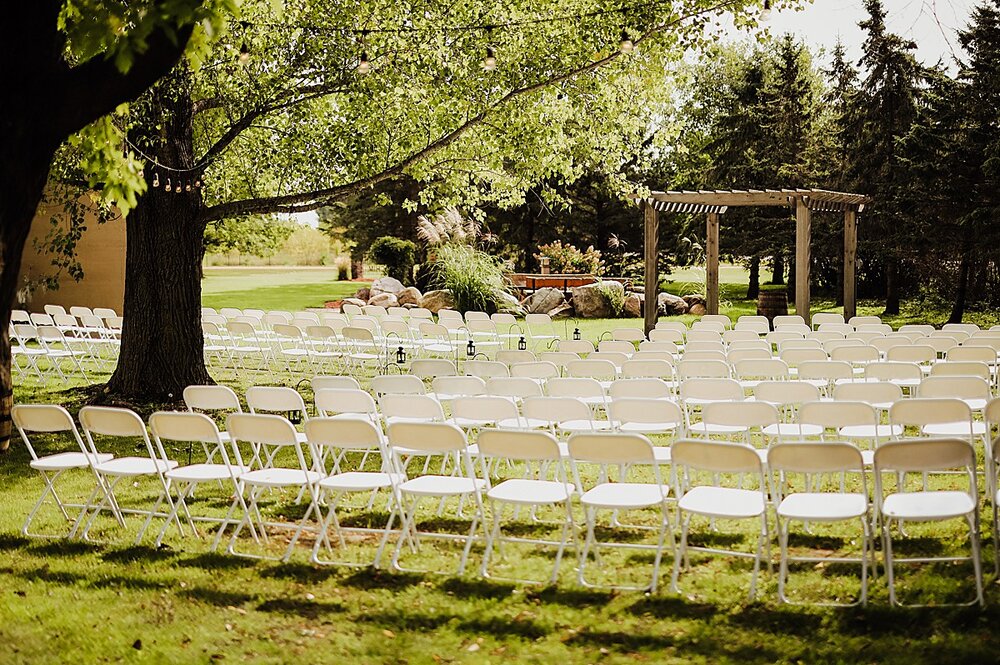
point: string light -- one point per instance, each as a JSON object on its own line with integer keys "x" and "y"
{"x": 490, "y": 61}
{"x": 167, "y": 187}
{"x": 765, "y": 14}
{"x": 244, "y": 53}
{"x": 626, "y": 45}
{"x": 364, "y": 66}
{"x": 156, "y": 180}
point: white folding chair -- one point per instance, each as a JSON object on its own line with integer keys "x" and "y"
{"x": 544, "y": 483}
{"x": 817, "y": 506}
{"x": 53, "y": 419}
{"x": 627, "y": 452}
{"x": 926, "y": 456}
{"x": 715, "y": 500}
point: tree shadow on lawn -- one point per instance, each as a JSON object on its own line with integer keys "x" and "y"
{"x": 367, "y": 579}
{"x": 217, "y": 597}
{"x": 499, "y": 627}
{"x": 477, "y": 588}
{"x": 137, "y": 553}
{"x": 67, "y": 548}
{"x": 216, "y": 561}
{"x": 712, "y": 649}
{"x": 307, "y": 609}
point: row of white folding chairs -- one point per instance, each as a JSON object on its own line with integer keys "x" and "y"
{"x": 23, "y": 316}
{"x": 47, "y": 352}
{"x": 703, "y": 495}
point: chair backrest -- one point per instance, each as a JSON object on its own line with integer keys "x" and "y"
{"x": 645, "y": 387}
{"x": 731, "y": 336}
{"x": 770, "y": 368}
{"x": 959, "y": 387}
{"x": 486, "y": 369}
{"x": 635, "y": 369}
{"x": 275, "y": 399}
{"x": 824, "y": 336}
{"x": 483, "y": 408}
{"x": 829, "y": 370}
{"x": 786, "y": 393}
{"x": 598, "y": 368}
{"x": 864, "y": 320}
{"x": 503, "y": 319}
{"x": 107, "y": 312}
{"x": 52, "y": 310}
{"x": 344, "y": 434}
{"x": 800, "y": 328}
{"x": 855, "y": 354}
{"x": 583, "y": 387}
{"x": 983, "y": 354}
{"x": 837, "y": 414}
{"x": 691, "y": 347}
{"x": 616, "y": 346}
{"x": 695, "y": 335}
{"x": 431, "y": 367}
{"x": 644, "y": 410}
{"x": 833, "y": 457}
{"x": 893, "y": 370}
{"x": 716, "y": 456}
{"x": 427, "y": 437}
{"x": 265, "y": 431}
{"x": 324, "y": 382}
{"x": 795, "y": 357}
{"x": 330, "y": 401}
{"x": 507, "y": 444}
{"x": 716, "y": 389}
{"x": 513, "y": 387}
{"x": 211, "y": 398}
{"x": 961, "y": 368}
{"x": 537, "y": 370}
{"x": 712, "y": 326}
{"x": 702, "y": 369}
{"x": 458, "y": 385}
{"x": 819, "y": 318}
{"x": 735, "y": 356}
{"x": 912, "y": 353}
{"x": 511, "y": 356}
{"x": 875, "y": 393}
{"x": 741, "y": 414}
{"x": 577, "y": 346}
{"x": 114, "y": 422}
{"x": 556, "y": 409}
{"x": 660, "y": 346}
{"x": 45, "y": 418}
{"x": 920, "y": 411}
{"x": 925, "y": 455}
{"x": 415, "y": 407}
{"x": 628, "y": 335}
{"x": 398, "y": 384}
{"x": 186, "y": 427}
{"x": 608, "y": 448}
{"x": 614, "y": 357}
{"x": 666, "y": 335}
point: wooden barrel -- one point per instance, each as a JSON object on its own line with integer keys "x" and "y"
{"x": 772, "y": 304}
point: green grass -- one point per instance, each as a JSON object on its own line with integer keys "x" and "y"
{"x": 274, "y": 288}
{"x": 75, "y": 602}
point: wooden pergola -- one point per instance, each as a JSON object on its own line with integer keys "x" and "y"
{"x": 714, "y": 203}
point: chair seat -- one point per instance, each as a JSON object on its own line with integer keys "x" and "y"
{"x": 709, "y": 428}
{"x": 583, "y": 425}
{"x": 955, "y": 429}
{"x": 926, "y": 506}
{"x": 60, "y": 461}
{"x": 442, "y": 485}
{"x": 871, "y": 431}
{"x": 648, "y": 428}
{"x": 279, "y": 477}
{"x": 625, "y": 495}
{"x": 528, "y": 492}
{"x": 792, "y": 429}
{"x": 723, "y": 502}
{"x": 360, "y": 481}
{"x": 202, "y": 472}
{"x": 134, "y": 466}
{"x": 823, "y": 506}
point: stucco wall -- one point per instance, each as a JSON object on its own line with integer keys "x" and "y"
{"x": 101, "y": 252}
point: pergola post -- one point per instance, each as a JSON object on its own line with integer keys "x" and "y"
{"x": 651, "y": 250}
{"x": 803, "y": 228}
{"x": 712, "y": 263}
{"x": 850, "y": 262}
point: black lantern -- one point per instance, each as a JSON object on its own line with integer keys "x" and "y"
{"x": 576, "y": 334}
{"x": 400, "y": 356}
{"x": 522, "y": 345}
{"x": 470, "y": 349}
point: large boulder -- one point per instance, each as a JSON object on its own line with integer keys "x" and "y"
{"x": 384, "y": 300}
{"x": 386, "y": 285}
{"x": 563, "y": 311}
{"x": 363, "y": 294}
{"x": 634, "y": 303}
{"x": 508, "y": 302}
{"x": 590, "y": 301}
{"x": 671, "y": 305}
{"x": 543, "y": 300}
{"x": 693, "y": 299}
{"x": 409, "y": 296}
{"x": 697, "y": 309}
{"x": 354, "y": 301}
{"x": 437, "y": 300}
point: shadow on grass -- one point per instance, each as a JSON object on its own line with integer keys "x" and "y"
{"x": 476, "y": 588}
{"x": 571, "y": 596}
{"x": 425, "y": 621}
{"x": 217, "y": 597}
{"x": 139, "y": 553}
{"x": 307, "y": 609}
{"x": 216, "y": 561}
{"x": 299, "y": 572}
{"x": 64, "y": 548}
{"x": 10, "y": 541}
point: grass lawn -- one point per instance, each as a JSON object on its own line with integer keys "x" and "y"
{"x": 113, "y": 601}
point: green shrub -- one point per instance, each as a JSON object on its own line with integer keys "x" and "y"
{"x": 475, "y": 278}
{"x": 569, "y": 260}
{"x": 396, "y": 254}
{"x": 343, "y": 267}
{"x": 615, "y": 297}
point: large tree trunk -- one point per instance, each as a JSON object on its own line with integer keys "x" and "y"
{"x": 962, "y": 291}
{"x": 162, "y": 348}
{"x": 891, "y": 287}
{"x": 753, "y": 284}
{"x": 778, "y": 269}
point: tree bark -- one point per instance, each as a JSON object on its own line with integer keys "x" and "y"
{"x": 778, "y": 269}
{"x": 891, "y": 287}
{"x": 358, "y": 265}
{"x": 753, "y": 285}
{"x": 162, "y": 341}
{"x": 962, "y": 291}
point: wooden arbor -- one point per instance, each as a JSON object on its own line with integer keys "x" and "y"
{"x": 716, "y": 202}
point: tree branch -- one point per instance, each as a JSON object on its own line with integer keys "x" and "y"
{"x": 311, "y": 200}
{"x": 96, "y": 87}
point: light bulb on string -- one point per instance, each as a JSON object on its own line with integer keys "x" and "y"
{"x": 490, "y": 61}
{"x": 364, "y": 65}
{"x": 626, "y": 45}
{"x": 178, "y": 188}
{"x": 156, "y": 180}
{"x": 187, "y": 187}
{"x": 197, "y": 183}
{"x": 765, "y": 14}
{"x": 244, "y": 57}
{"x": 167, "y": 187}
